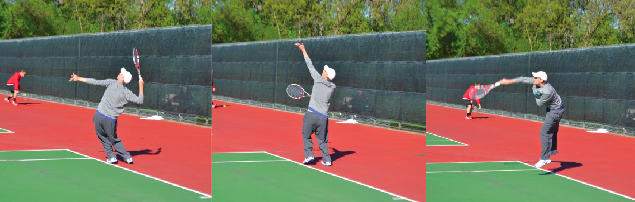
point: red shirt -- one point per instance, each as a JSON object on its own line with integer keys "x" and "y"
{"x": 15, "y": 80}
{"x": 470, "y": 94}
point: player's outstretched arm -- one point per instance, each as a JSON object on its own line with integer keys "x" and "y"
{"x": 74, "y": 77}
{"x": 507, "y": 81}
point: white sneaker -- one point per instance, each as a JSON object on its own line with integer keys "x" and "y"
{"x": 6, "y": 99}
{"x": 16, "y": 104}
{"x": 307, "y": 160}
{"x": 542, "y": 163}
{"x": 129, "y": 160}
{"x": 326, "y": 163}
{"x": 554, "y": 152}
{"x": 111, "y": 161}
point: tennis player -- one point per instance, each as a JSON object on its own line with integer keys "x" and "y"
{"x": 213, "y": 89}
{"x": 111, "y": 106}
{"x": 469, "y": 97}
{"x": 14, "y": 86}
{"x": 316, "y": 119}
{"x": 546, "y": 95}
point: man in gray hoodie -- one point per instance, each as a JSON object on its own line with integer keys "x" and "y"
{"x": 316, "y": 119}
{"x": 111, "y": 106}
{"x": 546, "y": 95}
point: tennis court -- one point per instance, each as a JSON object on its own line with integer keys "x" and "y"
{"x": 507, "y": 181}
{"x": 498, "y": 163}
{"x": 71, "y": 176}
{"x": 274, "y": 178}
{"x": 435, "y": 140}
{"x": 363, "y": 156}
{"x": 167, "y": 166}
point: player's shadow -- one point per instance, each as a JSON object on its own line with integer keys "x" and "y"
{"x": 221, "y": 106}
{"x": 140, "y": 152}
{"x": 482, "y": 117}
{"x": 144, "y": 152}
{"x": 337, "y": 154}
{"x": 563, "y": 166}
{"x": 29, "y": 103}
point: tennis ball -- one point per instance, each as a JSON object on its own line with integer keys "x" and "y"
{"x": 24, "y": 94}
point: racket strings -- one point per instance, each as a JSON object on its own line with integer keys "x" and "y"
{"x": 295, "y": 91}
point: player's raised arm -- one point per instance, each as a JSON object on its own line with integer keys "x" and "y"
{"x": 314, "y": 74}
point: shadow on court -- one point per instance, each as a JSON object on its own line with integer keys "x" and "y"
{"x": 563, "y": 166}
{"x": 29, "y": 103}
{"x": 221, "y": 106}
{"x": 334, "y": 156}
{"x": 144, "y": 152}
{"x": 482, "y": 117}
{"x": 140, "y": 152}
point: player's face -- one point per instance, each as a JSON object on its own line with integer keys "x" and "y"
{"x": 324, "y": 74}
{"x": 120, "y": 77}
{"x": 537, "y": 80}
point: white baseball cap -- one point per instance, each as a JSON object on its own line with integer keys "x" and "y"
{"x": 329, "y": 72}
{"x": 540, "y": 74}
{"x": 126, "y": 75}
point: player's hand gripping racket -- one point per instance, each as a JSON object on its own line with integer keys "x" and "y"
{"x": 485, "y": 89}
{"x": 135, "y": 59}
{"x": 295, "y": 91}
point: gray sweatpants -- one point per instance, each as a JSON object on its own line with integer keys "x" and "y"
{"x": 107, "y": 133}
{"x": 549, "y": 133}
{"x": 311, "y": 123}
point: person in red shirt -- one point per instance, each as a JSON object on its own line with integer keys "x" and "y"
{"x": 14, "y": 86}
{"x": 213, "y": 89}
{"x": 469, "y": 97}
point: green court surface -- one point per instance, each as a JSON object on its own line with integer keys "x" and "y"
{"x": 435, "y": 140}
{"x": 61, "y": 175}
{"x": 265, "y": 177}
{"x": 4, "y": 131}
{"x": 506, "y": 181}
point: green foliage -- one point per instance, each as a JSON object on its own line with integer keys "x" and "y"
{"x": 489, "y": 27}
{"x": 247, "y": 20}
{"x": 32, "y": 18}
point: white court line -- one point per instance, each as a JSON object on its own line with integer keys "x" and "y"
{"x": 448, "y": 139}
{"x": 36, "y": 150}
{"x": 176, "y": 185}
{"x": 8, "y": 131}
{"x": 40, "y": 159}
{"x": 394, "y": 198}
{"x": 239, "y": 152}
{"x": 477, "y": 162}
{"x": 478, "y": 171}
{"x": 246, "y": 161}
{"x": 612, "y": 192}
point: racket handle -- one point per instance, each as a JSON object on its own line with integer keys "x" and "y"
{"x": 140, "y": 78}
{"x": 497, "y": 84}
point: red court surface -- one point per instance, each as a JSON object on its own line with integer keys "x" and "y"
{"x": 173, "y": 152}
{"x": 390, "y": 160}
{"x": 604, "y": 160}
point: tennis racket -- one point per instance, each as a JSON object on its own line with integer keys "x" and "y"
{"x": 135, "y": 59}
{"x": 295, "y": 91}
{"x": 485, "y": 89}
